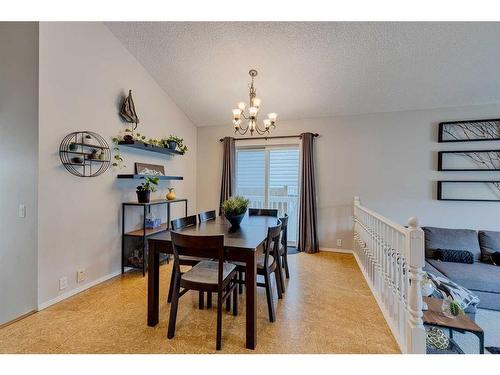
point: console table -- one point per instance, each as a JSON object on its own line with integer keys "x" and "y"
{"x": 143, "y": 233}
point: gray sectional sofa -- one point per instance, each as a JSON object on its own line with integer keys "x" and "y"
{"x": 481, "y": 277}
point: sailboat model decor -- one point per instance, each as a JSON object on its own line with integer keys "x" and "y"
{"x": 128, "y": 114}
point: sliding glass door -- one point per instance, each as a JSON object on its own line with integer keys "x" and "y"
{"x": 269, "y": 178}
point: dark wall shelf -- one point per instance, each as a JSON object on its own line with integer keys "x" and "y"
{"x": 146, "y": 147}
{"x": 141, "y": 176}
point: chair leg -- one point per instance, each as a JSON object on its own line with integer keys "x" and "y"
{"x": 218, "y": 344}
{"x": 209, "y": 300}
{"x": 235, "y": 302}
{"x": 171, "y": 287}
{"x": 279, "y": 285}
{"x": 285, "y": 263}
{"x": 240, "y": 282}
{"x": 269, "y": 296}
{"x": 173, "y": 308}
{"x": 228, "y": 302}
{"x": 201, "y": 300}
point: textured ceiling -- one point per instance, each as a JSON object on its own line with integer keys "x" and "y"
{"x": 311, "y": 70}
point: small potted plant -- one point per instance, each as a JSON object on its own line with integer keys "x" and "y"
{"x": 234, "y": 209}
{"x": 144, "y": 190}
{"x": 73, "y": 146}
{"x": 174, "y": 143}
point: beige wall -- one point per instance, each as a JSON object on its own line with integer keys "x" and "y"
{"x": 388, "y": 159}
{"x": 84, "y": 71}
{"x": 18, "y": 167}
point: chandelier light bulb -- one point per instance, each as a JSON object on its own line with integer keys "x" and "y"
{"x": 267, "y": 123}
{"x": 242, "y": 106}
{"x": 272, "y": 116}
{"x": 256, "y": 102}
{"x": 252, "y": 111}
{"x": 236, "y": 114}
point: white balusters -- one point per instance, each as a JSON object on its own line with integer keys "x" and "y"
{"x": 391, "y": 257}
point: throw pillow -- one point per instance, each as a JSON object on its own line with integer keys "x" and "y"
{"x": 495, "y": 258}
{"x": 436, "y": 338}
{"x": 455, "y": 256}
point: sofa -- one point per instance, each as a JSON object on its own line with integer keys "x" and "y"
{"x": 482, "y": 277}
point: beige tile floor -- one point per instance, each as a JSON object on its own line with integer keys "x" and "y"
{"x": 327, "y": 308}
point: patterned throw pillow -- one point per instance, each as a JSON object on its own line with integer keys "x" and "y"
{"x": 455, "y": 256}
{"x": 436, "y": 338}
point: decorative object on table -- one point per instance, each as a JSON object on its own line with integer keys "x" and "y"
{"x": 471, "y": 130}
{"x": 253, "y": 110}
{"x": 152, "y": 222}
{"x": 450, "y": 308}
{"x": 171, "y": 194}
{"x": 447, "y": 289}
{"x": 175, "y": 143}
{"x": 474, "y": 191}
{"x": 144, "y": 190}
{"x": 234, "y": 209}
{"x": 427, "y": 288}
{"x": 436, "y": 338}
{"x": 149, "y": 169}
{"x": 128, "y": 113}
{"x": 474, "y": 160}
{"x": 80, "y": 153}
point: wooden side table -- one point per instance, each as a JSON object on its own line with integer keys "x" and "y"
{"x": 462, "y": 323}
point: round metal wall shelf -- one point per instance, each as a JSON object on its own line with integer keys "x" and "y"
{"x": 85, "y": 154}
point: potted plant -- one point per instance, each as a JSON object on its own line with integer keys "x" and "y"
{"x": 174, "y": 143}
{"x": 144, "y": 190}
{"x": 234, "y": 209}
{"x": 73, "y": 146}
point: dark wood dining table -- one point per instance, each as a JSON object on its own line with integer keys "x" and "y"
{"x": 242, "y": 244}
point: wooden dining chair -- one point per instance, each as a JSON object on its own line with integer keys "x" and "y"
{"x": 263, "y": 212}
{"x": 206, "y": 216}
{"x": 266, "y": 266}
{"x": 211, "y": 276}
{"x": 184, "y": 260}
{"x": 284, "y": 245}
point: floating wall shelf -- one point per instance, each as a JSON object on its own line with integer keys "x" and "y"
{"x": 141, "y": 176}
{"x": 146, "y": 147}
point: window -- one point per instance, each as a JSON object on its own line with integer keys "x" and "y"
{"x": 269, "y": 178}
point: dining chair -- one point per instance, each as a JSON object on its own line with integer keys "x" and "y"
{"x": 266, "y": 266}
{"x": 211, "y": 276}
{"x": 263, "y": 212}
{"x": 206, "y": 216}
{"x": 283, "y": 251}
{"x": 184, "y": 260}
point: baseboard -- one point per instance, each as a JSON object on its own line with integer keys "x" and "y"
{"x": 25, "y": 315}
{"x": 77, "y": 290}
{"x": 332, "y": 250}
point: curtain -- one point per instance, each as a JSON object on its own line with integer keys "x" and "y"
{"x": 308, "y": 229}
{"x": 228, "y": 183}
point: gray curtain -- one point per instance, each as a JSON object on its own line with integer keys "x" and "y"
{"x": 228, "y": 171}
{"x": 308, "y": 229}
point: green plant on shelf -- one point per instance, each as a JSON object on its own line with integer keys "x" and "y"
{"x": 117, "y": 158}
{"x": 149, "y": 184}
{"x": 180, "y": 143}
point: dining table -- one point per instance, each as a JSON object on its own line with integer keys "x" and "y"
{"x": 242, "y": 243}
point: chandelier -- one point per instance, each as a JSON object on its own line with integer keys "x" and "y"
{"x": 251, "y": 114}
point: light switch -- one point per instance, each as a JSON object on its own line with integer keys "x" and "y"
{"x": 22, "y": 211}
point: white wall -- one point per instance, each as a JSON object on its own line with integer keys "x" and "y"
{"x": 18, "y": 167}
{"x": 388, "y": 159}
{"x": 84, "y": 71}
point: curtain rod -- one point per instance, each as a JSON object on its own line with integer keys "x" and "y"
{"x": 275, "y": 137}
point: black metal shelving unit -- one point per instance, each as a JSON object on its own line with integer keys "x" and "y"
{"x": 143, "y": 233}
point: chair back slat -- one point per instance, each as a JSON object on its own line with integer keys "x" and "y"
{"x": 263, "y": 212}
{"x": 271, "y": 246}
{"x": 206, "y": 216}
{"x": 183, "y": 222}
{"x": 284, "y": 230}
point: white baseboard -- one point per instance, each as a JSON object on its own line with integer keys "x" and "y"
{"x": 333, "y": 250}
{"x": 77, "y": 290}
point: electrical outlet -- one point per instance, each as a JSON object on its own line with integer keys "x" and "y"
{"x": 81, "y": 275}
{"x": 21, "y": 211}
{"x": 339, "y": 242}
{"x": 63, "y": 283}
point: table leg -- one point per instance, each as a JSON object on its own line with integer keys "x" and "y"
{"x": 480, "y": 336}
{"x": 251, "y": 305}
{"x": 153, "y": 286}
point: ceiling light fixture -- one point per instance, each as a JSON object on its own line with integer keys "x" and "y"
{"x": 252, "y": 112}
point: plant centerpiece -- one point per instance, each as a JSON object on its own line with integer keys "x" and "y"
{"x": 174, "y": 142}
{"x": 234, "y": 209}
{"x": 144, "y": 190}
{"x": 451, "y": 308}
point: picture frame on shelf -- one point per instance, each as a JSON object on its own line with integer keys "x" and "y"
{"x": 149, "y": 169}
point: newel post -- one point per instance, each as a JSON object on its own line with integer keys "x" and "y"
{"x": 415, "y": 332}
